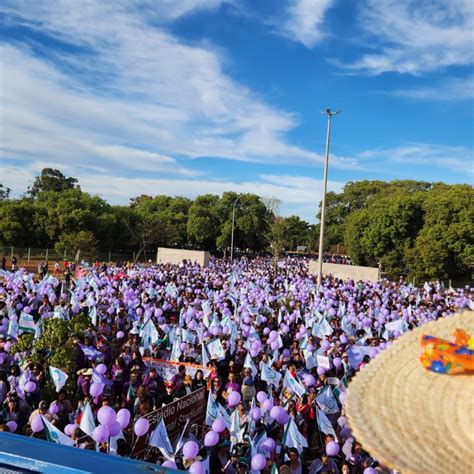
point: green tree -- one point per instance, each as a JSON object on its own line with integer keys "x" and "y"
{"x": 297, "y": 232}
{"x": 51, "y": 180}
{"x": 203, "y": 221}
{"x": 4, "y": 192}
{"x": 68, "y": 211}
{"x": 277, "y": 237}
{"x": 252, "y": 221}
{"x": 444, "y": 247}
{"x": 83, "y": 241}
{"x": 17, "y": 223}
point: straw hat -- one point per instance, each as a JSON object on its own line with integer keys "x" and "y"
{"x": 412, "y": 419}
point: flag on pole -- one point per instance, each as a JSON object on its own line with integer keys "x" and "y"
{"x": 234, "y": 428}
{"x": 292, "y": 384}
{"x": 55, "y": 435}
{"x": 293, "y": 438}
{"x": 212, "y": 409}
{"x": 249, "y": 364}
{"x": 216, "y": 350}
{"x": 324, "y": 424}
{"x": 87, "y": 423}
{"x": 90, "y": 352}
{"x": 327, "y": 401}
{"x": 180, "y": 443}
{"x": 58, "y": 377}
{"x": 93, "y": 315}
{"x": 159, "y": 439}
{"x": 26, "y": 323}
{"x": 269, "y": 375}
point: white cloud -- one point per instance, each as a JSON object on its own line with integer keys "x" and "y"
{"x": 415, "y": 36}
{"x": 304, "y": 21}
{"x": 457, "y": 158}
{"x": 300, "y": 195}
{"x": 130, "y": 84}
{"x": 449, "y": 90}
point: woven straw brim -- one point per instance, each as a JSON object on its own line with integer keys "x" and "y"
{"x": 412, "y": 419}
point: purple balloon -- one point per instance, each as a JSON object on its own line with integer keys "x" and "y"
{"x": 123, "y": 417}
{"x": 12, "y": 426}
{"x": 106, "y": 415}
{"x": 37, "y": 424}
{"x": 96, "y": 389}
{"x": 101, "y": 369}
{"x": 101, "y": 434}
{"x": 54, "y": 409}
{"x": 234, "y": 399}
{"x": 267, "y": 405}
{"x": 115, "y": 428}
{"x": 309, "y": 380}
{"x": 211, "y": 439}
{"x": 261, "y": 396}
{"x": 27, "y": 309}
{"x": 218, "y": 426}
{"x": 190, "y": 449}
{"x": 258, "y": 462}
{"x": 325, "y": 345}
{"x": 142, "y": 425}
{"x": 321, "y": 370}
{"x": 69, "y": 429}
{"x": 332, "y": 448}
{"x": 269, "y": 444}
{"x": 370, "y": 470}
{"x": 120, "y": 335}
{"x": 283, "y": 418}
{"x": 343, "y": 339}
{"x": 170, "y": 464}
{"x": 337, "y": 362}
{"x": 255, "y": 414}
{"x": 30, "y": 386}
{"x": 197, "y": 467}
{"x": 274, "y": 412}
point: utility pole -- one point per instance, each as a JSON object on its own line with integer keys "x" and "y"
{"x": 323, "y": 203}
{"x": 232, "y": 233}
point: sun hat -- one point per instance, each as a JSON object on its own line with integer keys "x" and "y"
{"x": 412, "y": 419}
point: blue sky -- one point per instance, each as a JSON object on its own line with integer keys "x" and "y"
{"x": 189, "y": 97}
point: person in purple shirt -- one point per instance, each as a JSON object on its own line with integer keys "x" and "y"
{"x": 232, "y": 385}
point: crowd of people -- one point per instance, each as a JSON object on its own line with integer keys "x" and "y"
{"x": 276, "y": 356}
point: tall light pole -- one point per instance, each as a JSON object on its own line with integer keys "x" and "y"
{"x": 323, "y": 203}
{"x": 232, "y": 234}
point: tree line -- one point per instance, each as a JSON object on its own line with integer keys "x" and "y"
{"x": 55, "y": 212}
{"x": 413, "y": 228}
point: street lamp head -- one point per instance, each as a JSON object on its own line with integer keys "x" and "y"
{"x": 328, "y": 110}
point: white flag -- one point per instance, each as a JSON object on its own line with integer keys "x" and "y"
{"x": 159, "y": 439}
{"x": 54, "y": 434}
{"x": 26, "y": 323}
{"x": 293, "y": 385}
{"x": 249, "y": 364}
{"x": 87, "y": 423}
{"x": 58, "y": 376}
{"x": 216, "y": 350}
{"x": 234, "y": 428}
{"x": 212, "y": 410}
{"x": 324, "y": 424}
{"x": 269, "y": 375}
{"x": 293, "y": 438}
{"x": 327, "y": 401}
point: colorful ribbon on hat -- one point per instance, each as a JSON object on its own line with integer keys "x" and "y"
{"x": 448, "y": 357}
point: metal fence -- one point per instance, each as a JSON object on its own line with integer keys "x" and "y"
{"x": 31, "y": 255}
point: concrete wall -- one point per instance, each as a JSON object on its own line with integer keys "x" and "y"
{"x": 346, "y": 271}
{"x": 176, "y": 256}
